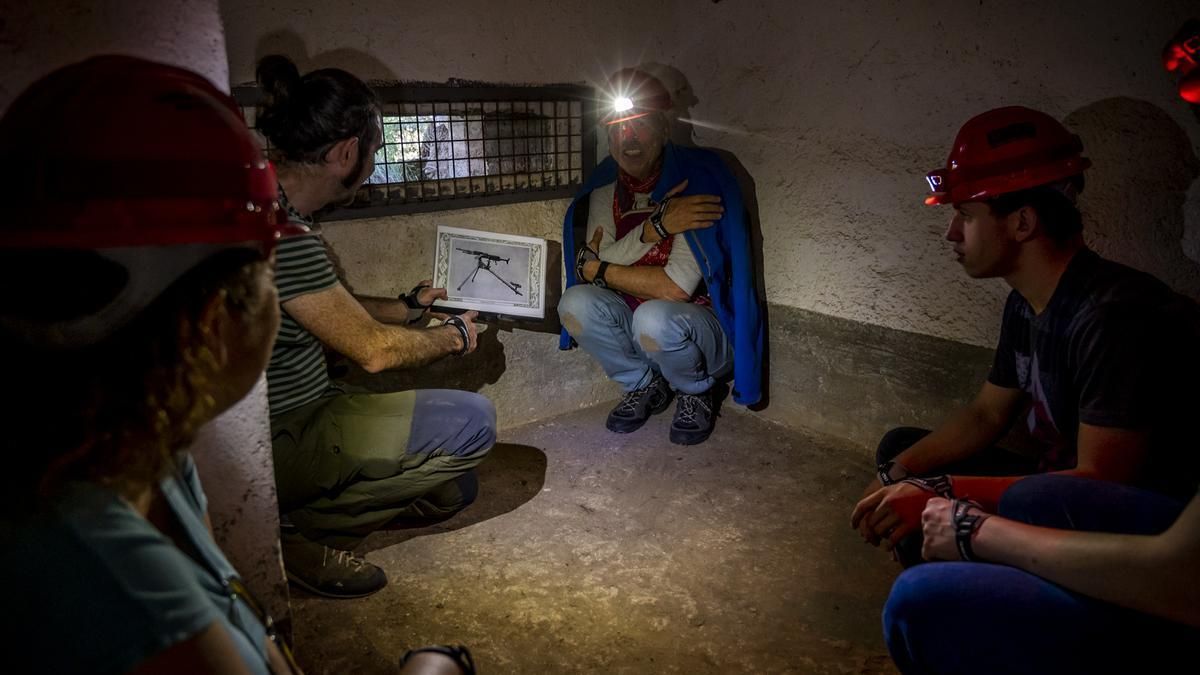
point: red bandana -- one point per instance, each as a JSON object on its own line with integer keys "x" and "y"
{"x": 626, "y": 219}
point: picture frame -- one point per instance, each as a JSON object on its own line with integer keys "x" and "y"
{"x": 491, "y": 272}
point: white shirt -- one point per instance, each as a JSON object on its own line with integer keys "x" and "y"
{"x": 681, "y": 266}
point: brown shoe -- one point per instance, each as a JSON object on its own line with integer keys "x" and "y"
{"x": 326, "y": 571}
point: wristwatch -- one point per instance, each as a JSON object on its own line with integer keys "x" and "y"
{"x": 599, "y": 280}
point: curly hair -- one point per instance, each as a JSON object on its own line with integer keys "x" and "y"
{"x": 117, "y": 412}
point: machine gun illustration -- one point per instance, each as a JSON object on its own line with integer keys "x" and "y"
{"x": 483, "y": 261}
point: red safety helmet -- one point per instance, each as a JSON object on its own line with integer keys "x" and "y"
{"x": 1005, "y": 150}
{"x": 1182, "y": 57}
{"x": 148, "y": 165}
{"x": 635, "y": 93}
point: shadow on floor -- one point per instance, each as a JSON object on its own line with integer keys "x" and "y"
{"x": 512, "y": 475}
{"x": 635, "y": 556}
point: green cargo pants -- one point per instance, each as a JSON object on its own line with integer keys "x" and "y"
{"x": 347, "y": 465}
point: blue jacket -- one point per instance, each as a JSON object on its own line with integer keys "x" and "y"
{"x": 723, "y": 252}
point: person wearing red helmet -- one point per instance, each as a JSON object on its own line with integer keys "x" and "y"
{"x": 1097, "y": 355}
{"x": 141, "y": 222}
{"x": 347, "y": 464}
{"x": 1082, "y": 575}
{"x": 1181, "y": 57}
{"x": 140, "y": 219}
{"x": 662, "y": 295}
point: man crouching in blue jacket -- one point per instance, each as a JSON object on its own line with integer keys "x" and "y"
{"x": 662, "y": 294}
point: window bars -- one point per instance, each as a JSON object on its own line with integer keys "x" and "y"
{"x": 454, "y": 147}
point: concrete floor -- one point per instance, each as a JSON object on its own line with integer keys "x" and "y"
{"x": 595, "y": 552}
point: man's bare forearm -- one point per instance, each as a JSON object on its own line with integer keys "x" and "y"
{"x": 645, "y": 282}
{"x": 388, "y": 310}
{"x": 402, "y": 347}
{"x": 1156, "y": 575}
{"x": 968, "y": 431}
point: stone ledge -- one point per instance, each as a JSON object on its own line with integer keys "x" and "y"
{"x": 855, "y": 381}
{"x": 835, "y": 376}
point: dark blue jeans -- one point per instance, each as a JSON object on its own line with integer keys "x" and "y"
{"x": 958, "y": 617}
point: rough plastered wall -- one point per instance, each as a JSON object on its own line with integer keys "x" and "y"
{"x": 833, "y": 112}
{"x": 837, "y": 109}
{"x": 540, "y": 41}
{"x": 233, "y": 452}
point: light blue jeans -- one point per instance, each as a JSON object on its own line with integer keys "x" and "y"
{"x": 681, "y": 340}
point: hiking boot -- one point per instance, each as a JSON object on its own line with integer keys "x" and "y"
{"x": 326, "y": 571}
{"x": 638, "y": 405}
{"x": 695, "y": 417}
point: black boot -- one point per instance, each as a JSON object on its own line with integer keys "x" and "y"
{"x": 638, "y": 405}
{"x": 695, "y": 417}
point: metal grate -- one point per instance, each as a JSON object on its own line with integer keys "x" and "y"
{"x": 458, "y": 147}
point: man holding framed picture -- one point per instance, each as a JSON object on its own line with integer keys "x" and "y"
{"x": 347, "y": 464}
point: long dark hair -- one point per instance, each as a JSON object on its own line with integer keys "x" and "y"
{"x": 303, "y": 117}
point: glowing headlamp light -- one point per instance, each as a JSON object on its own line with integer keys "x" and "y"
{"x": 622, "y": 104}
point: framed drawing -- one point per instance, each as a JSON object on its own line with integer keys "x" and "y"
{"x": 491, "y": 272}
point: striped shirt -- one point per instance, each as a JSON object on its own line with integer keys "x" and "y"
{"x": 297, "y": 373}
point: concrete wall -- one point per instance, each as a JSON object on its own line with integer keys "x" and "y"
{"x": 539, "y": 41}
{"x": 233, "y": 452}
{"x": 838, "y": 109}
{"x": 834, "y": 111}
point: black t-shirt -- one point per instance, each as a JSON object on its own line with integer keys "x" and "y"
{"x": 1115, "y": 347}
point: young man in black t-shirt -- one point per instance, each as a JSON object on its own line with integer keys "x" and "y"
{"x": 1100, "y": 598}
{"x": 1101, "y": 358}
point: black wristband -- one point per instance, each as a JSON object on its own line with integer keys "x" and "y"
{"x": 656, "y": 219}
{"x": 660, "y": 229}
{"x": 461, "y": 325}
{"x": 599, "y": 279}
{"x": 411, "y": 298}
{"x": 460, "y": 654}
{"x": 965, "y": 524}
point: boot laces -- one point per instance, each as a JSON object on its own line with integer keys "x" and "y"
{"x": 342, "y": 558}
{"x": 690, "y": 406}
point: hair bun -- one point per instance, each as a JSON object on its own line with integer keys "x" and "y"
{"x": 279, "y": 79}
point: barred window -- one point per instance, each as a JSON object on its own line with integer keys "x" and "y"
{"x": 453, "y": 147}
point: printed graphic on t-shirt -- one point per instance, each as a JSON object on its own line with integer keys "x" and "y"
{"x": 1040, "y": 420}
